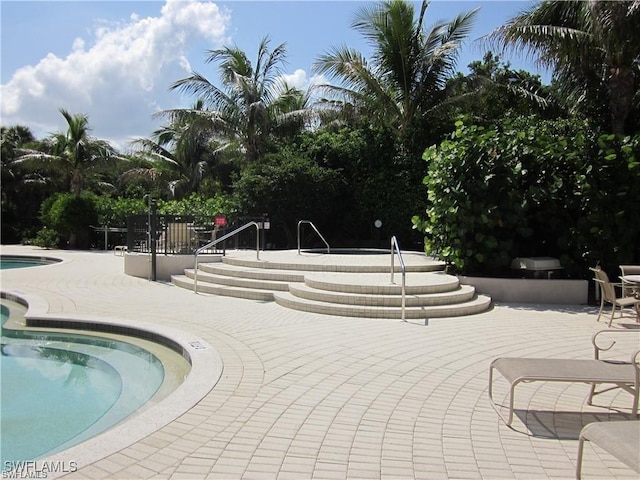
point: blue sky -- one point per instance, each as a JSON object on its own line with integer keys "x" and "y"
{"x": 114, "y": 60}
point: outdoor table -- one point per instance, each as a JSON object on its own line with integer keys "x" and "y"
{"x": 108, "y": 230}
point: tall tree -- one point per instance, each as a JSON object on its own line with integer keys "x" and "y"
{"x": 180, "y": 152}
{"x": 249, "y": 104}
{"x": 11, "y": 139}
{"x": 405, "y": 77}
{"x": 72, "y": 155}
{"x": 14, "y": 137}
{"x": 20, "y": 200}
{"x": 492, "y": 91}
{"x": 593, "y": 48}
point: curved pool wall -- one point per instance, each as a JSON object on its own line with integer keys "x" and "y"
{"x": 8, "y": 262}
{"x": 205, "y": 372}
{"x": 63, "y": 387}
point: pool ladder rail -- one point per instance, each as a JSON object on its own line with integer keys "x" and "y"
{"x": 309, "y": 222}
{"x": 396, "y": 247}
{"x": 213, "y": 243}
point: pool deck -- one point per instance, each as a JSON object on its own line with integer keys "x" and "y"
{"x": 304, "y": 396}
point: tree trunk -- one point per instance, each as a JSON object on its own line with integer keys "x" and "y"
{"x": 73, "y": 241}
{"x": 620, "y": 97}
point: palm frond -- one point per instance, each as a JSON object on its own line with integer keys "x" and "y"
{"x": 201, "y": 87}
{"x": 461, "y": 26}
{"x": 38, "y": 160}
{"x": 150, "y": 174}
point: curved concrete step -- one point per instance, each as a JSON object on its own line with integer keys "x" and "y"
{"x": 338, "y": 284}
{"x": 380, "y": 283}
{"x": 223, "y": 290}
{"x": 318, "y": 262}
{"x": 230, "y": 281}
{"x": 479, "y": 304}
{"x": 253, "y": 273}
{"x": 463, "y": 294}
{"x": 313, "y": 267}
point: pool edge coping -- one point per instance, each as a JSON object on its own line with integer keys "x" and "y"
{"x": 206, "y": 371}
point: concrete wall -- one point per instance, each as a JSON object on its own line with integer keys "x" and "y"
{"x": 139, "y": 264}
{"x": 521, "y": 290}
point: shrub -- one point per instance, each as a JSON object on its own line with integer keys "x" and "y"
{"x": 68, "y": 218}
{"x": 197, "y": 204}
{"x": 289, "y": 187}
{"x": 531, "y": 188}
{"x": 47, "y": 238}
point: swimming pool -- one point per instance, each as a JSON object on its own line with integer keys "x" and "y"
{"x": 16, "y": 261}
{"x": 61, "y": 388}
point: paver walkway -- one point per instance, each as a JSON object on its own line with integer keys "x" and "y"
{"x": 306, "y": 396}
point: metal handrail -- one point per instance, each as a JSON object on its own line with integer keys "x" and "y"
{"x": 222, "y": 239}
{"x": 319, "y": 234}
{"x": 394, "y": 245}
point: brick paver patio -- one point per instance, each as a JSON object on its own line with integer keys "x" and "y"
{"x": 306, "y": 396}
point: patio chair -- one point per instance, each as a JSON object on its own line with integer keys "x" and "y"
{"x": 608, "y": 295}
{"x": 620, "y": 439}
{"x": 629, "y": 289}
{"x": 622, "y": 374}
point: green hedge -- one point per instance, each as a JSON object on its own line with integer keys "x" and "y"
{"x": 532, "y": 188}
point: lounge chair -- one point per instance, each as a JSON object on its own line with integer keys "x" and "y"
{"x": 622, "y": 374}
{"x": 608, "y": 295}
{"x": 620, "y": 439}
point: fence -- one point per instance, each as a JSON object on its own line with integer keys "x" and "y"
{"x": 183, "y": 234}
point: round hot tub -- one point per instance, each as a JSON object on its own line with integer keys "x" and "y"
{"x": 349, "y": 251}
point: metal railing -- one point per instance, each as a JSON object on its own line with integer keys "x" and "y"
{"x": 396, "y": 247}
{"x": 172, "y": 234}
{"x": 316, "y": 230}
{"x": 222, "y": 239}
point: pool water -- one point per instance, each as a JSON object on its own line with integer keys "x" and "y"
{"x": 77, "y": 390}
{"x": 59, "y": 389}
{"x": 15, "y": 261}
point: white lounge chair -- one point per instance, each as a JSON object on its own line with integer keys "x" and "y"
{"x": 622, "y": 374}
{"x": 620, "y": 439}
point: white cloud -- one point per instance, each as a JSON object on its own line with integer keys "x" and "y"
{"x": 119, "y": 78}
{"x": 299, "y": 79}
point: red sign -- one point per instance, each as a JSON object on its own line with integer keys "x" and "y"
{"x": 221, "y": 221}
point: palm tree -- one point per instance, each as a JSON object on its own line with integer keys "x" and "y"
{"x": 20, "y": 200}
{"x": 74, "y": 154}
{"x": 14, "y": 137}
{"x": 181, "y": 151}
{"x": 291, "y": 110}
{"x": 243, "y": 112}
{"x": 492, "y": 91}
{"x": 11, "y": 140}
{"x": 593, "y": 48}
{"x": 405, "y": 78}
